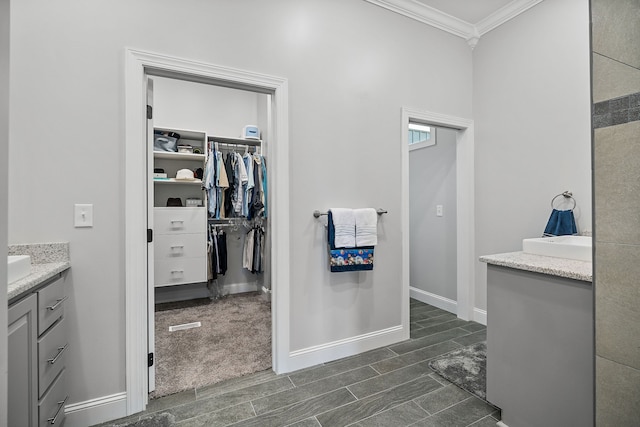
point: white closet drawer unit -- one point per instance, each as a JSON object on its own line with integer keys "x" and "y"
{"x": 51, "y": 407}
{"x": 171, "y": 246}
{"x": 52, "y": 352}
{"x": 179, "y": 220}
{"x": 180, "y": 271}
{"x": 50, "y": 304}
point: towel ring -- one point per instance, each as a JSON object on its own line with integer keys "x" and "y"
{"x": 566, "y": 195}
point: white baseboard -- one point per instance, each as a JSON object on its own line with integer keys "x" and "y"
{"x": 240, "y": 288}
{"x": 435, "y": 300}
{"x": 447, "y": 304}
{"x": 96, "y": 411}
{"x": 323, "y": 353}
{"x": 480, "y": 316}
{"x": 501, "y": 424}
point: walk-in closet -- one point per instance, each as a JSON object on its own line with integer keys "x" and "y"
{"x": 210, "y": 259}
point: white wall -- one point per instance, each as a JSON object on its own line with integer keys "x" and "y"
{"x": 346, "y": 62}
{"x": 432, "y": 181}
{"x": 531, "y": 86}
{"x": 4, "y": 150}
{"x": 197, "y": 106}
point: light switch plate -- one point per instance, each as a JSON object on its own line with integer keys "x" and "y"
{"x": 83, "y": 215}
{"x": 439, "y": 210}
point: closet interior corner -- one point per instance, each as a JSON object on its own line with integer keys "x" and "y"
{"x": 210, "y": 221}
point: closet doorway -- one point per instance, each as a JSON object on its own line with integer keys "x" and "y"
{"x": 210, "y": 260}
{"x": 464, "y": 253}
{"x": 139, "y": 65}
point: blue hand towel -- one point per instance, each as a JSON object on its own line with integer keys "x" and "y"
{"x": 347, "y": 259}
{"x": 561, "y": 223}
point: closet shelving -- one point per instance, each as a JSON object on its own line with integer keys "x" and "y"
{"x": 180, "y": 237}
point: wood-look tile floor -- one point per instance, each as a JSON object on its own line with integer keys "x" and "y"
{"x": 390, "y": 386}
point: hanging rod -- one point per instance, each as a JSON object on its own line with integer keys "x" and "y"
{"x": 235, "y": 146}
{"x": 318, "y": 214}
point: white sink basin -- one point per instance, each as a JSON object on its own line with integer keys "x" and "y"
{"x": 569, "y": 247}
{"x": 18, "y": 267}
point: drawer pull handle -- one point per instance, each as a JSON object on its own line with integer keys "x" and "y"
{"x": 181, "y": 221}
{"x": 57, "y": 304}
{"x": 57, "y": 356}
{"x": 177, "y": 271}
{"x": 177, "y": 247}
{"x": 53, "y": 420}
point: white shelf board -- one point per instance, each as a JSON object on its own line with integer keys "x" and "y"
{"x": 177, "y": 156}
{"x": 184, "y": 133}
{"x": 235, "y": 141}
{"x": 177, "y": 181}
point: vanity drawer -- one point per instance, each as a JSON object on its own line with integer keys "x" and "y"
{"x": 52, "y": 352}
{"x": 180, "y": 271}
{"x": 51, "y": 407}
{"x": 179, "y": 220}
{"x": 50, "y": 304}
{"x": 180, "y": 246}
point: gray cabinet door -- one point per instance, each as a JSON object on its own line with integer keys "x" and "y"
{"x": 22, "y": 341}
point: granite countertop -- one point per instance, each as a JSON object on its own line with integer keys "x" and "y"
{"x": 47, "y": 260}
{"x": 561, "y": 267}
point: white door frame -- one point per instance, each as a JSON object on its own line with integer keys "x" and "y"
{"x": 138, "y": 64}
{"x": 465, "y": 218}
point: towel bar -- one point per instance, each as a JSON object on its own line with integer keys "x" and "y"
{"x": 318, "y": 214}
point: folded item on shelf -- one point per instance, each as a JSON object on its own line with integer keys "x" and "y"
{"x": 174, "y": 202}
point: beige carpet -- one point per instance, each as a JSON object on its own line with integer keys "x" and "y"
{"x": 234, "y": 340}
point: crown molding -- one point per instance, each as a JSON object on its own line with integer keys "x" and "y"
{"x": 428, "y": 15}
{"x": 504, "y": 14}
{"x": 470, "y": 32}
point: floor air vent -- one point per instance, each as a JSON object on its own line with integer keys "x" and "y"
{"x": 184, "y": 326}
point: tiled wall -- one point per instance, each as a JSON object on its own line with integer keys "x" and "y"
{"x": 616, "y": 163}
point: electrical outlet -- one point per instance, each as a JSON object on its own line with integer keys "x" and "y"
{"x": 439, "y": 210}
{"x": 83, "y": 215}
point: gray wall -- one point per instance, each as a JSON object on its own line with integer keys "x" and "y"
{"x": 346, "y": 63}
{"x": 432, "y": 181}
{"x": 616, "y": 75}
{"x": 532, "y": 121}
{"x": 4, "y": 149}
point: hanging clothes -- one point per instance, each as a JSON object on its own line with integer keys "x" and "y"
{"x": 222, "y": 185}
{"x": 217, "y": 252}
{"x": 265, "y": 197}
{"x": 229, "y": 167}
{"x": 257, "y": 199}
{"x": 248, "y": 189}
{"x": 242, "y": 180}
{"x": 253, "y": 250}
{"x": 209, "y": 183}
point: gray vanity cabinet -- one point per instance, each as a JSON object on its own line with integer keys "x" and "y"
{"x": 37, "y": 346}
{"x": 539, "y": 348}
{"x": 23, "y": 380}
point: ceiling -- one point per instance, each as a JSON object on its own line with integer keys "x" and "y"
{"x": 469, "y": 19}
{"x": 471, "y": 11}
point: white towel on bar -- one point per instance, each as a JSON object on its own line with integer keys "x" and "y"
{"x": 366, "y": 227}
{"x": 344, "y": 223}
